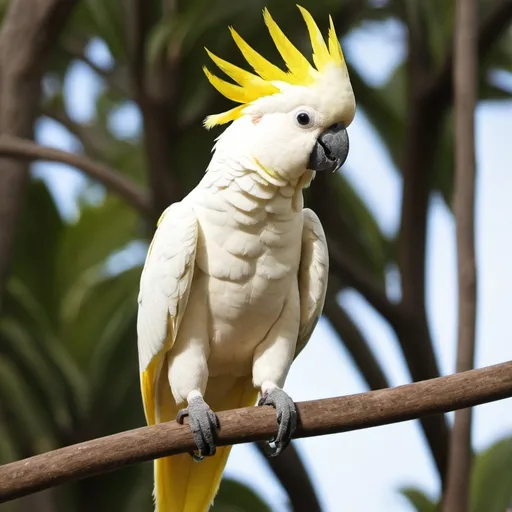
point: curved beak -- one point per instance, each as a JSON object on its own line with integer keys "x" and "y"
{"x": 330, "y": 150}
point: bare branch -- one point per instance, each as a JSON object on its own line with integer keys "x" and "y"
{"x": 76, "y": 50}
{"x": 456, "y": 498}
{"x": 354, "y": 341}
{"x": 318, "y": 417}
{"x": 157, "y": 91}
{"x": 428, "y": 105}
{"x": 114, "y": 77}
{"x": 491, "y": 28}
{"x": 410, "y": 324}
{"x": 27, "y": 150}
{"x": 138, "y": 24}
{"x": 293, "y": 476}
{"x": 353, "y": 275}
{"x": 93, "y": 143}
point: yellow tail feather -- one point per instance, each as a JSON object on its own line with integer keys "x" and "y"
{"x": 181, "y": 484}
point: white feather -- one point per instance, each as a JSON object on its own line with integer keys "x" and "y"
{"x": 166, "y": 279}
{"x": 313, "y": 276}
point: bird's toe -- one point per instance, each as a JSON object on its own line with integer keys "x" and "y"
{"x": 286, "y": 414}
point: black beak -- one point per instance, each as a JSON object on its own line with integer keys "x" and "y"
{"x": 330, "y": 150}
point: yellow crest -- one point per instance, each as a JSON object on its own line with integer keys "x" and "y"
{"x": 266, "y": 80}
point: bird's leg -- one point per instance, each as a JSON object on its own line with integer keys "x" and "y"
{"x": 286, "y": 418}
{"x": 272, "y": 360}
{"x": 188, "y": 374}
{"x": 203, "y": 424}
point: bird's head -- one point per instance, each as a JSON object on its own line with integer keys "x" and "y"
{"x": 287, "y": 121}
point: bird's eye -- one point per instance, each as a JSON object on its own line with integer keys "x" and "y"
{"x": 303, "y": 119}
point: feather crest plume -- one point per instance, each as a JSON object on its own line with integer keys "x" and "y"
{"x": 267, "y": 78}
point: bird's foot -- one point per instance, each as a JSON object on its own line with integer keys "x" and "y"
{"x": 203, "y": 425}
{"x": 286, "y": 418}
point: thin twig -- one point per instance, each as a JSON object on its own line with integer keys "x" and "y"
{"x": 319, "y": 417}
{"x": 112, "y": 76}
{"x": 23, "y": 149}
{"x": 93, "y": 143}
{"x": 465, "y": 82}
{"x": 354, "y": 340}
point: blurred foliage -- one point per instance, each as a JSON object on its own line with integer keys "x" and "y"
{"x": 68, "y": 362}
{"x": 491, "y": 482}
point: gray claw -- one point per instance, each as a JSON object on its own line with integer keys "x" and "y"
{"x": 203, "y": 425}
{"x": 286, "y": 418}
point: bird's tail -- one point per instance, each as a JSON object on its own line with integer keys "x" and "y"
{"x": 181, "y": 484}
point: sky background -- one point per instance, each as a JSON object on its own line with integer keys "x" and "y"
{"x": 363, "y": 471}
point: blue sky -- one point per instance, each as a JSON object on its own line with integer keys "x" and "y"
{"x": 363, "y": 471}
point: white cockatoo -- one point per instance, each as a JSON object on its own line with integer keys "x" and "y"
{"x": 236, "y": 275}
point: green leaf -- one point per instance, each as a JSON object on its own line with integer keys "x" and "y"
{"x": 23, "y": 352}
{"x": 385, "y": 108}
{"x": 491, "y": 482}
{"x": 419, "y": 500}
{"x": 17, "y": 397}
{"x": 358, "y": 231}
{"x": 106, "y": 18}
{"x": 21, "y": 307}
{"x": 113, "y": 370}
{"x": 100, "y": 231}
{"x": 99, "y": 313}
{"x": 40, "y": 231}
{"x": 236, "y": 497}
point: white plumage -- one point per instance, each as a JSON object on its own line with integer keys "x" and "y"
{"x": 241, "y": 252}
{"x": 236, "y": 276}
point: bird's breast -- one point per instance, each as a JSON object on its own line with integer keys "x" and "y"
{"x": 246, "y": 280}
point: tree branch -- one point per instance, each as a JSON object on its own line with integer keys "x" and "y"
{"x": 354, "y": 341}
{"x": 157, "y": 91}
{"x": 490, "y": 30}
{"x": 319, "y": 417}
{"x": 428, "y": 106}
{"x": 114, "y": 77}
{"x": 353, "y": 275}
{"x": 93, "y": 143}
{"x": 293, "y": 476}
{"x": 456, "y": 498}
{"x": 21, "y": 149}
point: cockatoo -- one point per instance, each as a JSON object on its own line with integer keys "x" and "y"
{"x": 235, "y": 278}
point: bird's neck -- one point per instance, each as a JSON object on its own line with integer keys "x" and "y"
{"x": 248, "y": 187}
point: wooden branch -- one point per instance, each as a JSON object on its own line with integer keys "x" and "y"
{"x": 456, "y": 498}
{"x": 319, "y": 417}
{"x": 354, "y": 341}
{"x": 27, "y": 150}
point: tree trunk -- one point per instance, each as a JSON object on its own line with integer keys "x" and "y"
{"x": 28, "y": 32}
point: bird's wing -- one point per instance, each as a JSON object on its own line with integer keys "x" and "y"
{"x": 164, "y": 289}
{"x": 313, "y": 275}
